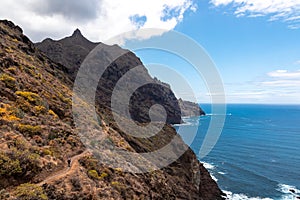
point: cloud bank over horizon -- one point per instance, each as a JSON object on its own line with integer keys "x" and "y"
{"x": 98, "y": 20}
{"x": 276, "y": 87}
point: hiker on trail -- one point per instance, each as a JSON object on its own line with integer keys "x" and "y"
{"x": 69, "y": 162}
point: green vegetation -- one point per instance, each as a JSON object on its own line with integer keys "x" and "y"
{"x": 47, "y": 152}
{"x": 103, "y": 175}
{"x": 18, "y": 112}
{"x": 115, "y": 183}
{"x": 24, "y": 105}
{"x": 39, "y": 76}
{"x": 34, "y": 140}
{"x": 9, "y": 81}
{"x": 52, "y": 113}
{"x": 93, "y": 174}
{"x": 9, "y": 166}
{"x": 29, "y": 130}
{"x": 40, "y": 110}
{"x": 29, "y": 191}
{"x": 118, "y": 186}
{"x": 19, "y": 160}
{"x": 9, "y": 50}
{"x": 64, "y": 99}
{"x": 29, "y": 96}
{"x": 118, "y": 170}
{"x": 20, "y": 144}
{"x": 8, "y": 113}
{"x": 12, "y": 70}
{"x": 30, "y": 70}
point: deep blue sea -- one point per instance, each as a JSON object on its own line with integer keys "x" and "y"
{"x": 257, "y": 155}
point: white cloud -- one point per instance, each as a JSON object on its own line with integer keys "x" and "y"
{"x": 285, "y": 80}
{"x": 285, "y": 74}
{"x": 97, "y": 19}
{"x": 277, "y": 87}
{"x": 284, "y": 10}
{"x": 282, "y": 83}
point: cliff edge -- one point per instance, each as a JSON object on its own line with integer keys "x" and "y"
{"x": 38, "y": 136}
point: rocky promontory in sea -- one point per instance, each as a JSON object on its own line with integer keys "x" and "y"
{"x": 38, "y": 134}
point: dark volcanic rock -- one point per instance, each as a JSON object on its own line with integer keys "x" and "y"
{"x": 185, "y": 178}
{"x": 208, "y": 188}
{"x": 292, "y": 190}
{"x": 190, "y": 109}
{"x": 71, "y": 52}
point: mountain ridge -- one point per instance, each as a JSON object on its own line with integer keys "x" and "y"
{"x": 38, "y": 134}
{"x": 71, "y": 49}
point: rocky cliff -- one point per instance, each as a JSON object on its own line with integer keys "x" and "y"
{"x": 189, "y": 109}
{"x": 38, "y": 135}
{"x": 71, "y": 51}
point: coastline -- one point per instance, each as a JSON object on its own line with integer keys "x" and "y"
{"x": 242, "y": 169}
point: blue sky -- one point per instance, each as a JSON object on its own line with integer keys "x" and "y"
{"x": 254, "y": 44}
{"x": 258, "y": 59}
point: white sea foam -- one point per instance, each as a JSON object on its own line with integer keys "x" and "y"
{"x": 283, "y": 188}
{"x": 286, "y": 189}
{"x": 208, "y": 166}
{"x": 215, "y": 114}
{"x": 290, "y": 192}
{"x": 222, "y": 173}
{"x": 231, "y": 196}
{"x": 184, "y": 124}
{"x": 213, "y": 177}
{"x": 188, "y": 122}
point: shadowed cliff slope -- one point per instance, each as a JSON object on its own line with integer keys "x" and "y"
{"x": 37, "y": 135}
{"x": 71, "y": 51}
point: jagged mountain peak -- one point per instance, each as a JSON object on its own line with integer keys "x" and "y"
{"x": 77, "y": 33}
{"x": 78, "y": 38}
{"x": 38, "y": 134}
{"x": 71, "y": 51}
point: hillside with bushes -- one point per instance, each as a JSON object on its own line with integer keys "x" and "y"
{"x": 38, "y": 135}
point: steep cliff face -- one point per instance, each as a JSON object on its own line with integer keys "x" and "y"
{"x": 71, "y": 51}
{"x": 38, "y": 135}
{"x": 190, "y": 109}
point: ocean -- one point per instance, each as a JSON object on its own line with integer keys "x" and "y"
{"x": 257, "y": 155}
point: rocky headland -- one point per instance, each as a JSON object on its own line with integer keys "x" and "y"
{"x": 38, "y": 133}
